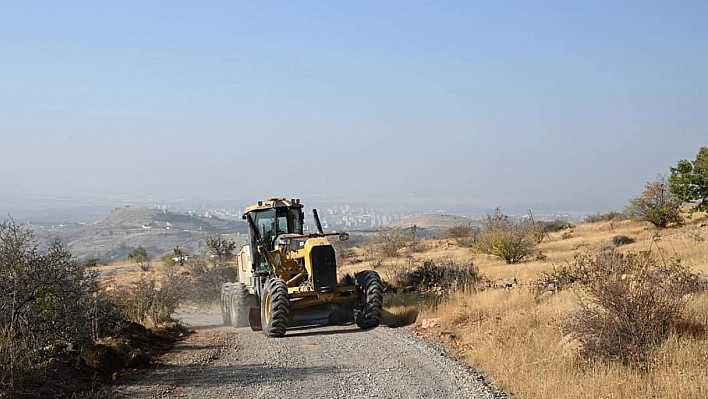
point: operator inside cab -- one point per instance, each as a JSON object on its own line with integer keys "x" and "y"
{"x": 272, "y": 222}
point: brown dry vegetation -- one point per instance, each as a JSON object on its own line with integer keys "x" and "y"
{"x": 520, "y": 341}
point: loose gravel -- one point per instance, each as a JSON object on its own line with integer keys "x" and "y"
{"x": 322, "y": 362}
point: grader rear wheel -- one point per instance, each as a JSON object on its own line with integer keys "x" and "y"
{"x": 239, "y": 305}
{"x": 275, "y": 308}
{"x": 225, "y": 303}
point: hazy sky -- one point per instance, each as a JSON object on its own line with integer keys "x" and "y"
{"x": 495, "y": 102}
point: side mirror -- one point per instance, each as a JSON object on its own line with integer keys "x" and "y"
{"x": 343, "y": 236}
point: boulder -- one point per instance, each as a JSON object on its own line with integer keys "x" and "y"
{"x": 430, "y": 323}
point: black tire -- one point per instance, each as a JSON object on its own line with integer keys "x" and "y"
{"x": 225, "y": 302}
{"x": 240, "y": 305}
{"x": 275, "y": 308}
{"x": 370, "y": 299}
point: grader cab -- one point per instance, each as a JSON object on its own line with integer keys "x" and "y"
{"x": 289, "y": 278}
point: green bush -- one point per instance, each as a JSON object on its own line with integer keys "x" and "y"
{"x": 657, "y": 205}
{"x": 141, "y": 257}
{"x": 510, "y": 239}
{"x": 689, "y": 180}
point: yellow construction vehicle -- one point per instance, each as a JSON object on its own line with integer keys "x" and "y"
{"x": 289, "y": 278}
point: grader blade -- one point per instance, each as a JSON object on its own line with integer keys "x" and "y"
{"x": 254, "y": 319}
{"x": 322, "y": 314}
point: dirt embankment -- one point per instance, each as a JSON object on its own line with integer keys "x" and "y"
{"x": 323, "y": 362}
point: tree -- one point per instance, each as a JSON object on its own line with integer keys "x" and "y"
{"x": 689, "y": 180}
{"x": 221, "y": 247}
{"x": 141, "y": 257}
{"x": 181, "y": 255}
{"x": 509, "y": 239}
{"x": 657, "y": 205}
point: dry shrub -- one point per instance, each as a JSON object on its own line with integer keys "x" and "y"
{"x": 343, "y": 251}
{"x": 105, "y": 315}
{"x": 206, "y": 282}
{"x": 445, "y": 275}
{"x": 16, "y": 357}
{"x": 402, "y": 309}
{"x": 373, "y": 255}
{"x": 563, "y": 277}
{"x": 629, "y": 307}
{"x": 221, "y": 247}
{"x": 556, "y": 225}
{"x": 610, "y": 216}
{"x": 465, "y": 235}
{"x": 622, "y": 240}
{"x": 510, "y": 239}
{"x": 388, "y": 244}
{"x": 346, "y": 280}
{"x": 150, "y": 302}
{"x": 696, "y": 236}
{"x": 46, "y": 302}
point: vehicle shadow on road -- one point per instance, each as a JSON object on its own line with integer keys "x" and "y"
{"x": 318, "y": 330}
{"x": 208, "y": 327}
{"x": 197, "y": 376}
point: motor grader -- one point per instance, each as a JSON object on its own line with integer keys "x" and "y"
{"x": 289, "y": 278}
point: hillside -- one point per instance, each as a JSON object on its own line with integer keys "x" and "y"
{"x": 116, "y": 234}
{"x": 433, "y": 221}
{"x": 505, "y": 323}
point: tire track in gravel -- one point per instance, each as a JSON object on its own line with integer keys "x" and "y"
{"x": 323, "y": 362}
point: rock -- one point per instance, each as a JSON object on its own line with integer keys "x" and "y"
{"x": 546, "y": 294}
{"x": 102, "y": 358}
{"x": 430, "y": 323}
{"x": 703, "y": 281}
{"x": 137, "y": 358}
{"x": 390, "y": 289}
{"x": 510, "y": 282}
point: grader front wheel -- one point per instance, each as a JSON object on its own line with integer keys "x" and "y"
{"x": 275, "y": 308}
{"x": 370, "y": 301}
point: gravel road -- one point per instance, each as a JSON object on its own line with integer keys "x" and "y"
{"x": 322, "y": 362}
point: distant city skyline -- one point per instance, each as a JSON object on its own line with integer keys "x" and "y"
{"x": 49, "y": 209}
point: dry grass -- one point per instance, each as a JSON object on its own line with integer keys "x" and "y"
{"x": 123, "y": 273}
{"x": 520, "y": 345}
{"x": 404, "y": 309}
{"x": 518, "y": 341}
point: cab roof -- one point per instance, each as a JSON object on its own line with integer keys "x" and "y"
{"x": 274, "y": 202}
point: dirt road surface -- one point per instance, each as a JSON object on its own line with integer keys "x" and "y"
{"x": 322, "y": 362}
